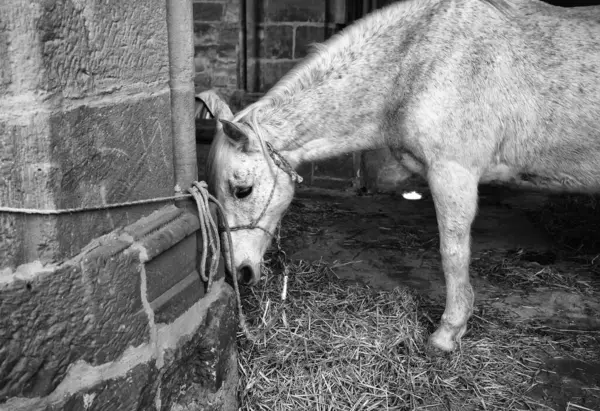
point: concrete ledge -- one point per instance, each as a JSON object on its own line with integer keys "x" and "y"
{"x": 197, "y": 351}
{"x": 93, "y": 307}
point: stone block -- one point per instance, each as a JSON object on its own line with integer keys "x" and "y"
{"x": 216, "y": 67}
{"x": 118, "y": 152}
{"x": 134, "y": 391}
{"x": 277, "y": 42}
{"x": 11, "y": 239}
{"x": 5, "y": 64}
{"x": 305, "y": 37}
{"x": 195, "y": 397}
{"x": 206, "y": 33}
{"x": 197, "y": 369}
{"x": 217, "y": 34}
{"x": 181, "y": 297}
{"x": 114, "y": 153}
{"x": 232, "y": 11}
{"x": 85, "y": 309}
{"x": 77, "y": 48}
{"x": 205, "y": 11}
{"x": 203, "y": 365}
{"x": 294, "y": 10}
{"x": 170, "y": 267}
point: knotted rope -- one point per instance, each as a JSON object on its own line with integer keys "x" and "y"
{"x": 208, "y": 228}
{"x": 211, "y": 237}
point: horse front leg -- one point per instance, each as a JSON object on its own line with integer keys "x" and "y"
{"x": 454, "y": 191}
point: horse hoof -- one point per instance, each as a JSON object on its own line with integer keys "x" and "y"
{"x": 445, "y": 338}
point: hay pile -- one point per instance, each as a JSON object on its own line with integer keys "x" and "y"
{"x": 520, "y": 270}
{"x": 336, "y": 345}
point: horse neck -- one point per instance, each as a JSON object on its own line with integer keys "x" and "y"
{"x": 338, "y": 100}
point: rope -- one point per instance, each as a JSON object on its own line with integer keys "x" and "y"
{"x": 36, "y": 211}
{"x": 210, "y": 235}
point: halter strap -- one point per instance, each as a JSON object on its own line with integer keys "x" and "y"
{"x": 284, "y": 165}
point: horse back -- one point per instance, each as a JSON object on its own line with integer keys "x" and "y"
{"x": 516, "y": 95}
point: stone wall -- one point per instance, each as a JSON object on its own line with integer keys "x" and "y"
{"x": 217, "y": 30}
{"x": 103, "y": 309}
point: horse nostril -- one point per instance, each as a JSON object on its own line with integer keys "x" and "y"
{"x": 246, "y": 274}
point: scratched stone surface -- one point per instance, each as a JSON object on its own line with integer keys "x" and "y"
{"x": 84, "y": 119}
{"x": 198, "y": 372}
{"x": 88, "y": 309}
{"x": 82, "y": 48}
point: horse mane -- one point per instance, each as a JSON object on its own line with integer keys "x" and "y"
{"x": 313, "y": 68}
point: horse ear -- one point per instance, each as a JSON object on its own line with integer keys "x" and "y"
{"x": 216, "y": 106}
{"x": 235, "y": 133}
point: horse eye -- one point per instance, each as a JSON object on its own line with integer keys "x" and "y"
{"x": 242, "y": 192}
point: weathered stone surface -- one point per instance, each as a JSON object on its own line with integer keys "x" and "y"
{"x": 208, "y": 11}
{"x": 216, "y": 66}
{"x": 11, "y": 239}
{"x": 277, "y": 42}
{"x": 194, "y": 397}
{"x": 192, "y": 289}
{"x": 306, "y": 36}
{"x": 170, "y": 267}
{"x": 5, "y": 66}
{"x": 294, "y": 10}
{"x": 232, "y": 11}
{"x": 96, "y": 165}
{"x": 76, "y": 48}
{"x": 135, "y": 391}
{"x": 62, "y": 139}
{"x": 191, "y": 365}
{"x": 204, "y": 363}
{"x": 206, "y": 33}
{"x": 91, "y": 308}
{"x": 217, "y": 37}
{"x": 164, "y": 237}
{"x": 84, "y": 309}
{"x": 119, "y": 152}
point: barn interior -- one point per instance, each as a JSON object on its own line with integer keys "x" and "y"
{"x": 105, "y": 303}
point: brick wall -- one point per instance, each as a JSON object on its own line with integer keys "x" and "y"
{"x": 217, "y": 45}
{"x": 99, "y": 309}
{"x": 279, "y": 34}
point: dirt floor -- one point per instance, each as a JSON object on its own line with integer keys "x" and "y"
{"x": 526, "y": 268}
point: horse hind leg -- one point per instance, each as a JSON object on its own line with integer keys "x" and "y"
{"x": 454, "y": 191}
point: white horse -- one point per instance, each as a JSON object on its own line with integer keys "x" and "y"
{"x": 461, "y": 92}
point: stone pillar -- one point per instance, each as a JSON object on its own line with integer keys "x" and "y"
{"x": 84, "y": 120}
{"x": 99, "y": 310}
